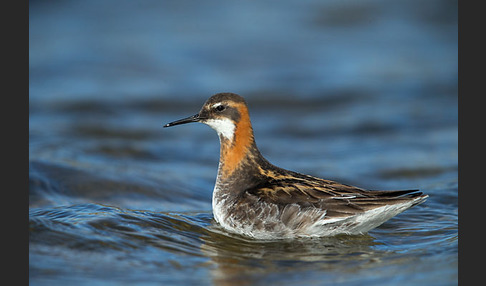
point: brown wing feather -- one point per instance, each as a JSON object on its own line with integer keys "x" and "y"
{"x": 337, "y": 199}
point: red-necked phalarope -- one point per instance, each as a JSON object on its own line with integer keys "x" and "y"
{"x": 255, "y": 198}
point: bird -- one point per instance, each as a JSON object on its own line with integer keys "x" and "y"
{"x": 257, "y": 199}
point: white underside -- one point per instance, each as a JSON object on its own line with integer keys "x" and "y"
{"x": 298, "y": 226}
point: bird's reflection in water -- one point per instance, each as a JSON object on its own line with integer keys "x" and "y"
{"x": 240, "y": 260}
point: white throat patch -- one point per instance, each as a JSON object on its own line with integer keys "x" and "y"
{"x": 224, "y": 127}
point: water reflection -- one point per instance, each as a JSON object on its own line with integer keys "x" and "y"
{"x": 242, "y": 261}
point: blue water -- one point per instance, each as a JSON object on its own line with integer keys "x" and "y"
{"x": 364, "y": 93}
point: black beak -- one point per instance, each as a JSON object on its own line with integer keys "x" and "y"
{"x": 190, "y": 119}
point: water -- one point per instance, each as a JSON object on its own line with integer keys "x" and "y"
{"x": 363, "y": 93}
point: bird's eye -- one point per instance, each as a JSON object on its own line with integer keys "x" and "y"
{"x": 220, "y": 107}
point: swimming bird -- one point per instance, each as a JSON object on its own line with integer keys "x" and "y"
{"x": 252, "y": 197}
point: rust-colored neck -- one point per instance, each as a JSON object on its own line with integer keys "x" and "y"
{"x": 234, "y": 152}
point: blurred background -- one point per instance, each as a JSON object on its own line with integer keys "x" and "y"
{"x": 360, "y": 92}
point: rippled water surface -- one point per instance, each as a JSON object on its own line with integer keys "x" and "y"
{"x": 363, "y": 93}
